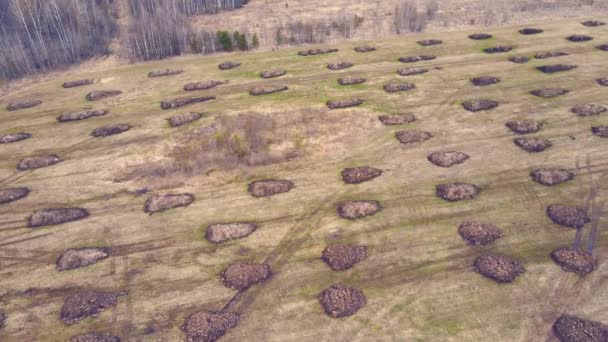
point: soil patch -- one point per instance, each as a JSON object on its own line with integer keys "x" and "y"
{"x": 208, "y": 326}
{"x": 412, "y": 137}
{"x": 184, "y": 118}
{"x": 550, "y": 69}
{"x": 429, "y": 42}
{"x": 81, "y": 257}
{"x": 158, "y": 203}
{"x": 341, "y": 301}
{"x": 182, "y": 101}
{"x": 593, "y": 23}
{"x": 551, "y": 177}
{"x": 202, "y": 85}
{"x": 273, "y": 73}
{"x": 524, "y": 126}
{"x": 479, "y": 234}
{"x": 13, "y": 194}
{"x": 413, "y": 59}
{"x": 2, "y": 319}
{"x": 342, "y": 257}
{"x": 576, "y": 38}
{"x": 397, "y": 119}
{"x": 567, "y": 216}
{"x": 499, "y": 268}
{"x": 602, "y": 81}
{"x": 11, "y": 138}
{"x": 222, "y": 232}
{"x": 95, "y": 337}
{"x": 81, "y": 115}
{"x": 519, "y": 59}
{"x": 411, "y": 71}
{"x": 350, "y": 80}
{"x": 484, "y": 80}
{"x": 339, "y": 65}
{"x": 242, "y": 275}
{"x": 453, "y": 192}
{"x": 356, "y": 175}
{"x": 479, "y": 105}
{"x": 228, "y": 65}
{"x": 533, "y": 145}
{"x": 602, "y": 47}
{"x": 102, "y": 94}
{"x": 447, "y": 158}
{"x": 314, "y": 52}
{"x": 480, "y": 36}
{"x": 353, "y": 210}
{"x": 263, "y": 90}
{"x": 85, "y": 304}
{"x": 397, "y": 87}
{"x": 569, "y": 328}
{"x": 269, "y": 187}
{"x": 574, "y": 260}
{"x": 600, "y": 131}
{"x": 550, "y": 54}
{"x": 549, "y": 92}
{"x": 529, "y": 30}
{"x": 78, "y": 83}
{"x": 106, "y": 131}
{"x": 498, "y": 49}
{"x": 588, "y": 109}
{"x": 365, "y": 48}
{"x": 338, "y": 104}
{"x": 166, "y": 72}
{"x": 31, "y": 163}
{"x": 54, "y": 216}
{"x": 22, "y": 104}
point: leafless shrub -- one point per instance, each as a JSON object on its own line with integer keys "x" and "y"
{"x": 407, "y": 17}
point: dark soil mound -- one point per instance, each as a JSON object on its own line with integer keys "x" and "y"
{"x": 339, "y": 65}
{"x": 550, "y": 54}
{"x": 208, "y": 326}
{"x": 54, "y": 216}
{"x": 593, "y": 23}
{"x": 397, "y": 119}
{"x": 551, "y": 176}
{"x": 263, "y": 90}
{"x": 11, "y": 138}
{"x": 602, "y": 47}
{"x": 499, "y": 268}
{"x": 412, "y": 137}
{"x": 86, "y": 304}
{"x": 78, "y": 83}
{"x": 16, "y": 105}
{"x": 396, "y": 87}
{"x": 569, "y": 328}
{"x": 550, "y": 69}
{"x": 519, "y": 59}
{"x": 365, "y": 48}
{"x": 158, "y": 203}
{"x": 95, "y": 337}
{"x": 356, "y": 175}
{"x": 341, "y": 301}
{"x": 31, "y": 163}
{"x": 107, "y": 131}
{"x": 576, "y": 38}
{"x": 314, "y": 52}
{"x": 353, "y": 210}
{"x": 273, "y": 73}
{"x": 567, "y": 216}
{"x": 342, "y": 257}
{"x": 2, "y": 319}
{"x": 549, "y": 92}
{"x": 602, "y": 81}
{"x": 222, "y": 232}
{"x": 528, "y": 31}
{"x": 202, "y": 85}
{"x": 457, "y": 191}
{"x": 479, "y": 105}
{"x": 524, "y": 126}
{"x": 429, "y": 42}
{"x": 166, "y": 72}
{"x": 447, "y": 158}
{"x": 574, "y": 260}
{"x": 228, "y": 65}
{"x": 82, "y": 115}
{"x": 13, "y": 194}
{"x": 600, "y": 131}
{"x": 102, "y": 94}
{"x": 484, "y": 80}
{"x": 588, "y": 109}
{"x": 338, "y": 104}
{"x": 413, "y": 59}
{"x": 480, "y": 36}
{"x": 81, "y": 257}
{"x": 533, "y": 145}
{"x": 412, "y": 71}
{"x": 184, "y": 118}
{"x": 350, "y": 80}
{"x": 242, "y": 275}
{"x": 498, "y": 49}
{"x": 182, "y": 101}
{"x": 479, "y": 234}
{"x": 269, "y": 187}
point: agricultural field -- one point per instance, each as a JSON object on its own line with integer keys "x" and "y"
{"x": 223, "y": 215}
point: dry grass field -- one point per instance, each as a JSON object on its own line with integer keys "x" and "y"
{"x": 418, "y": 279}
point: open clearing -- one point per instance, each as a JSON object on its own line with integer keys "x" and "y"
{"x": 418, "y": 279}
